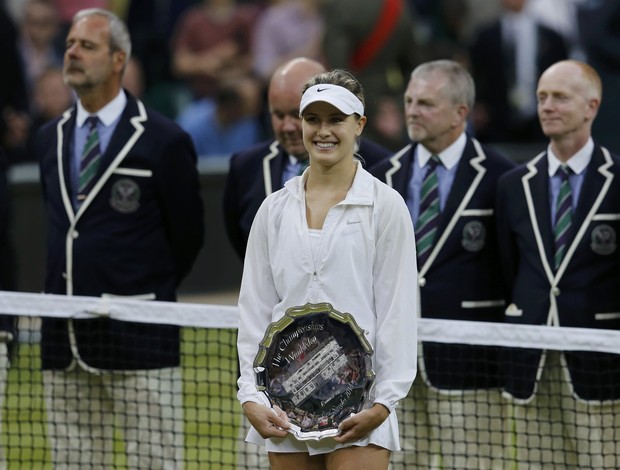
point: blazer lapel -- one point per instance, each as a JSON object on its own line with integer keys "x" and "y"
{"x": 469, "y": 173}
{"x": 272, "y": 168}
{"x": 536, "y": 188}
{"x": 128, "y": 130}
{"x": 592, "y": 186}
{"x": 595, "y": 186}
{"x": 64, "y": 132}
{"x": 278, "y": 165}
{"x": 123, "y": 132}
{"x": 398, "y": 175}
{"x": 466, "y": 172}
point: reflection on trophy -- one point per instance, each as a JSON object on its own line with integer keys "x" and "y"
{"x": 315, "y": 364}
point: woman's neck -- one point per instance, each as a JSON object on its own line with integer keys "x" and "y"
{"x": 335, "y": 176}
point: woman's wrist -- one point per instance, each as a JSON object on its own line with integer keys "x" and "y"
{"x": 381, "y": 411}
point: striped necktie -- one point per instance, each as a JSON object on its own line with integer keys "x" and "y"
{"x": 89, "y": 160}
{"x": 563, "y": 216}
{"x": 428, "y": 218}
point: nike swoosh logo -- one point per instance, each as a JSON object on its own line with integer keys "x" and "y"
{"x": 319, "y": 90}
{"x": 351, "y": 222}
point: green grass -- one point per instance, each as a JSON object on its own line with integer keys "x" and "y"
{"x": 212, "y": 413}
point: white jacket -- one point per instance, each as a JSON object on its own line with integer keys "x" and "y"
{"x": 366, "y": 266}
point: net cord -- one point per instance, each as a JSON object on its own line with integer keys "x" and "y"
{"x": 225, "y": 316}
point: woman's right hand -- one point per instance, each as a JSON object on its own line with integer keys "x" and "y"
{"x": 268, "y": 422}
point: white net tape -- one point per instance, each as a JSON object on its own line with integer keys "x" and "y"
{"x": 224, "y": 316}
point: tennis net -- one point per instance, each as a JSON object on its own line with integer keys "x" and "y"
{"x": 568, "y": 418}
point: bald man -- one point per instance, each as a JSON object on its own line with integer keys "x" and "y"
{"x": 264, "y": 168}
{"x": 558, "y": 223}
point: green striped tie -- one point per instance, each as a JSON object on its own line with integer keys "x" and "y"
{"x": 563, "y": 216}
{"x": 426, "y": 226}
{"x": 90, "y": 159}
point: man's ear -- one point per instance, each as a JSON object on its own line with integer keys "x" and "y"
{"x": 118, "y": 59}
{"x": 462, "y": 111}
{"x": 592, "y": 108}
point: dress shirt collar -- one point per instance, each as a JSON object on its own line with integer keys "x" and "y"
{"x": 449, "y": 157}
{"x": 108, "y": 114}
{"x": 577, "y": 163}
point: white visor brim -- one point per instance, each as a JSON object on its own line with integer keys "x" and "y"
{"x": 339, "y": 97}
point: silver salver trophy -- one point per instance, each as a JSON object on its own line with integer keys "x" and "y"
{"x": 315, "y": 364}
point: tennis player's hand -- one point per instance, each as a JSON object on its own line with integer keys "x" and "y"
{"x": 361, "y": 424}
{"x": 268, "y": 422}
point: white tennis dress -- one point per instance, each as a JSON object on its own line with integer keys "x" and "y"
{"x": 364, "y": 263}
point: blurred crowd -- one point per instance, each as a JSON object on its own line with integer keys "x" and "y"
{"x": 206, "y": 63}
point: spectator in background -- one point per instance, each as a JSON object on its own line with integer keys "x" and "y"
{"x": 13, "y": 92}
{"x": 38, "y": 45}
{"x": 561, "y": 16}
{"x": 224, "y": 125}
{"x": 51, "y": 97}
{"x": 151, "y": 24}
{"x": 440, "y": 29}
{"x": 375, "y": 40}
{"x": 258, "y": 171}
{"x": 133, "y": 78}
{"x": 457, "y": 253}
{"x": 124, "y": 218}
{"x": 211, "y": 44}
{"x": 558, "y": 229}
{"x": 68, "y": 8}
{"x": 507, "y": 57}
{"x": 211, "y": 50}
{"x": 439, "y": 20}
{"x": 285, "y": 30}
{"x": 599, "y": 31}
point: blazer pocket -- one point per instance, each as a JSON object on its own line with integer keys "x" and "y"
{"x": 139, "y": 172}
{"x": 610, "y": 217}
{"x": 483, "y": 303}
{"x": 607, "y": 316}
{"x": 149, "y": 296}
{"x": 477, "y": 213}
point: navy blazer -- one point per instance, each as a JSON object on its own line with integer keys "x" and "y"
{"x": 137, "y": 234}
{"x": 459, "y": 280}
{"x": 584, "y": 292}
{"x": 256, "y": 173}
{"x": 7, "y": 322}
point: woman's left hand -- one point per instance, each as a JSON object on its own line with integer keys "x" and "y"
{"x": 361, "y": 424}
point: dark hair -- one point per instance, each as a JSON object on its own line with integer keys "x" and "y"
{"x": 338, "y": 77}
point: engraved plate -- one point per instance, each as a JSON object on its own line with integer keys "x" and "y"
{"x": 315, "y": 364}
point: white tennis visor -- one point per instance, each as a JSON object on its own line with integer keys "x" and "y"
{"x": 337, "y": 96}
